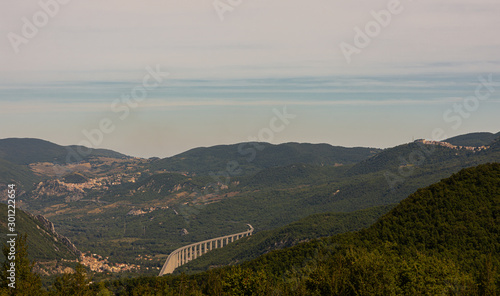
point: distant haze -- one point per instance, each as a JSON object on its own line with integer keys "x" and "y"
{"x": 73, "y": 78}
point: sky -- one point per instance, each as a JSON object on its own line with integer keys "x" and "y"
{"x": 156, "y": 78}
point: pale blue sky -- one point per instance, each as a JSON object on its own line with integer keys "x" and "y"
{"x": 226, "y": 77}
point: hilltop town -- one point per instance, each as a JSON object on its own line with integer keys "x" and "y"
{"x": 451, "y": 146}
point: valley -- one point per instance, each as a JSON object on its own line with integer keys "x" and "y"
{"x": 127, "y": 214}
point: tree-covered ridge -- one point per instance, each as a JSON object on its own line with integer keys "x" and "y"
{"x": 442, "y": 240}
{"x": 459, "y": 216}
{"x": 495, "y": 145}
{"x": 268, "y": 199}
{"x": 248, "y": 158}
{"x": 15, "y": 173}
{"x": 26, "y": 150}
{"x": 413, "y": 154}
{"x": 42, "y": 244}
{"x": 311, "y": 227}
{"x": 454, "y": 223}
{"x": 148, "y": 216}
{"x": 473, "y": 139}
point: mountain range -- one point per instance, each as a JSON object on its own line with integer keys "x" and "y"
{"x": 126, "y": 208}
{"x": 441, "y": 240}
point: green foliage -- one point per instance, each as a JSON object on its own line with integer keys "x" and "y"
{"x": 473, "y": 139}
{"x": 75, "y": 178}
{"x": 24, "y": 151}
{"x": 41, "y": 244}
{"x": 382, "y": 271}
{"x": 76, "y": 283}
{"x": 430, "y": 156}
{"x": 268, "y": 199}
{"x": 459, "y": 214}
{"x": 442, "y": 240}
{"x": 312, "y": 227}
{"x": 26, "y": 283}
{"x": 290, "y": 176}
{"x": 248, "y": 158}
{"x": 239, "y": 281}
{"x": 269, "y": 195}
{"x": 11, "y": 173}
{"x": 448, "y": 230}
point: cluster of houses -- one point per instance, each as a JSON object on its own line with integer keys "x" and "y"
{"x": 448, "y": 145}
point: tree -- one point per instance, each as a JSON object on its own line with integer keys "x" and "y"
{"x": 76, "y": 283}
{"x": 26, "y": 281}
{"x": 487, "y": 277}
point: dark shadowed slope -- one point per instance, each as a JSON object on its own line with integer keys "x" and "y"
{"x": 247, "y": 158}
{"x": 25, "y": 151}
{"x": 473, "y": 139}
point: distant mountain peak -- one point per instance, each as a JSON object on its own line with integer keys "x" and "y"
{"x": 29, "y": 150}
{"x": 473, "y": 139}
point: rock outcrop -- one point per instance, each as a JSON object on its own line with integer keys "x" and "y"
{"x": 49, "y": 226}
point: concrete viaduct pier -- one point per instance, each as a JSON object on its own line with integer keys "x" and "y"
{"x": 190, "y": 252}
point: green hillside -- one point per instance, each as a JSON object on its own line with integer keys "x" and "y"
{"x": 473, "y": 139}
{"x": 149, "y": 216}
{"x": 441, "y": 240}
{"x": 151, "y": 187}
{"x": 398, "y": 156}
{"x": 18, "y": 174}
{"x": 457, "y": 217}
{"x": 454, "y": 223}
{"x": 43, "y": 245}
{"x": 248, "y": 158}
{"x": 268, "y": 199}
{"x": 25, "y": 151}
{"x": 495, "y": 145}
{"x": 293, "y": 175}
{"x": 312, "y": 227}
{"x": 277, "y": 196}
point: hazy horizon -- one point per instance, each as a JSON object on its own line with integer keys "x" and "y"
{"x": 235, "y": 143}
{"x": 424, "y": 66}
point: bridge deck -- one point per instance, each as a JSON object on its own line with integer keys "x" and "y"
{"x": 190, "y": 252}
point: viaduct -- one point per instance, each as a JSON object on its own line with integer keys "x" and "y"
{"x": 190, "y": 252}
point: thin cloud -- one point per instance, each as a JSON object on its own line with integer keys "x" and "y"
{"x": 258, "y": 39}
{"x": 48, "y": 107}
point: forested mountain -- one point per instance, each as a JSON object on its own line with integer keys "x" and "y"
{"x": 12, "y": 172}
{"x": 26, "y": 161}
{"x": 311, "y": 227}
{"x": 126, "y": 209}
{"x": 495, "y": 145}
{"x": 248, "y": 158}
{"x": 473, "y": 139}
{"x": 409, "y": 155}
{"x": 442, "y": 240}
{"x": 25, "y": 151}
{"x": 44, "y": 243}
